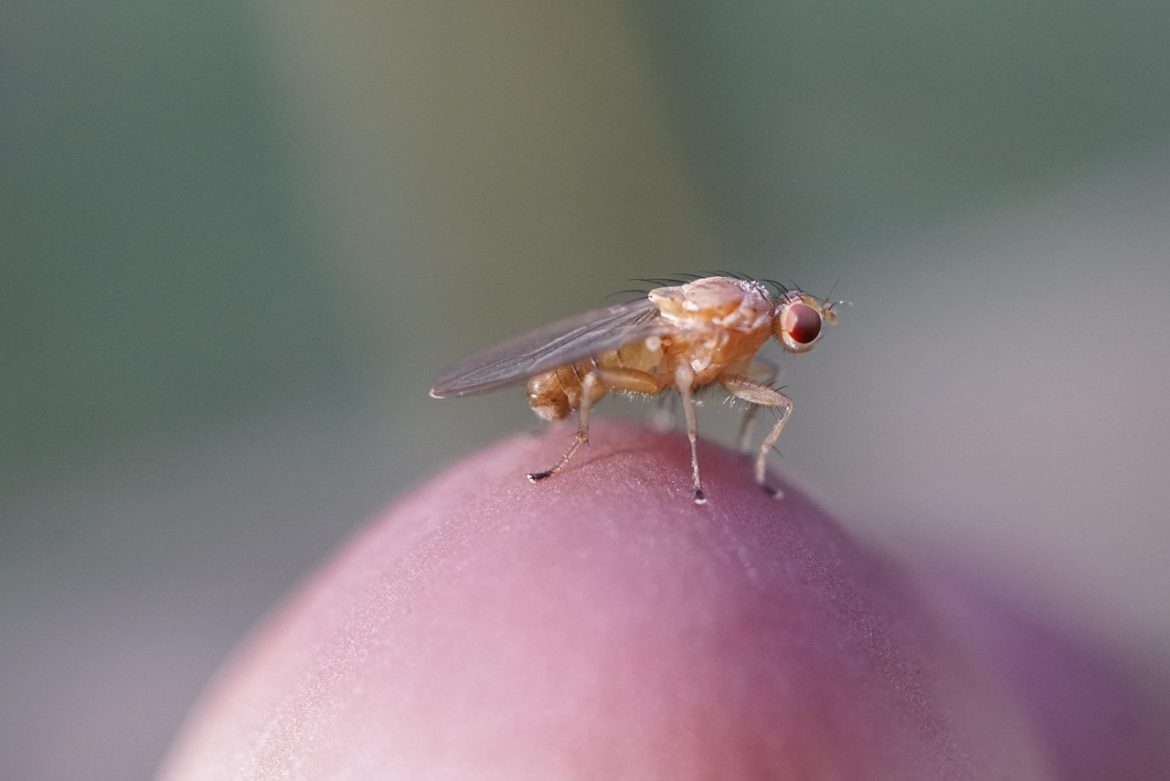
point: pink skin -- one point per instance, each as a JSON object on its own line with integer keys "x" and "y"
{"x": 599, "y": 625}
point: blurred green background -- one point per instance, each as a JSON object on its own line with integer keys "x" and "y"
{"x": 239, "y": 239}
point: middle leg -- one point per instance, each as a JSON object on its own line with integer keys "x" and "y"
{"x": 684, "y": 380}
{"x": 765, "y": 372}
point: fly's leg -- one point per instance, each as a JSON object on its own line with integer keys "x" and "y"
{"x": 766, "y": 372}
{"x": 683, "y": 379}
{"x": 663, "y": 417}
{"x": 590, "y": 389}
{"x": 628, "y": 380}
{"x": 595, "y": 384}
{"x": 759, "y": 394}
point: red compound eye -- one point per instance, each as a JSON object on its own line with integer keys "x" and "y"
{"x": 801, "y": 322}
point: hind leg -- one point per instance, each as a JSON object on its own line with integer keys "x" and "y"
{"x": 595, "y": 384}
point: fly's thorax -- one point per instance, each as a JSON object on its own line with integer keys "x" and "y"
{"x": 645, "y": 355}
{"x": 719, "y": 302}
{"x": 710, "y": 354}
{"x": 717, "y": 322}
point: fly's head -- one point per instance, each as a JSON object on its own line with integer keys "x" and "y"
{"x": 798, "y": 320}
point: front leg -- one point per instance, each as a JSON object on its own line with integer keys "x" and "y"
{"x": 762, "y": 395}
{"x": 766, "y": 373}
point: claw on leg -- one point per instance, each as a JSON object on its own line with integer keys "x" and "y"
{"x": 582, "y": 438}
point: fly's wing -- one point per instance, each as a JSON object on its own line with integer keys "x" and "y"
{"x": 549, "y": 347}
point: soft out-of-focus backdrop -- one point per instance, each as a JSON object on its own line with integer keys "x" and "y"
{"x": 237, "y": 240}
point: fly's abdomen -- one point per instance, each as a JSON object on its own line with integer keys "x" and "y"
{"x": 554, "y": 394}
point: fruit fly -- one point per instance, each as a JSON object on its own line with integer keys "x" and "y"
{"x": 682, "y": 337}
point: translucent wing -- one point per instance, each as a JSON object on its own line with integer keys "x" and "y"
{"x": 549, "y": 347}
